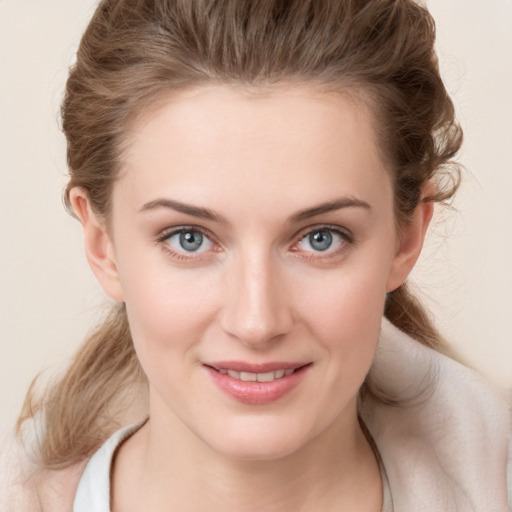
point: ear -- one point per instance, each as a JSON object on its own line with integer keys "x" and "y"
{"x": 98, "y": 245}
{"x": 411, "y": 238}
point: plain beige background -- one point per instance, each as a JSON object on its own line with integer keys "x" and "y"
{"x": 48, "y": 297}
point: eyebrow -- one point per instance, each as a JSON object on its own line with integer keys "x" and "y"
{"x": 187, "y": 209}
{"x": 207, "y": 214}
{"x": 335, "y": 204}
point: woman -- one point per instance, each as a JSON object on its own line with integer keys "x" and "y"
{"x": 254, "y": 181}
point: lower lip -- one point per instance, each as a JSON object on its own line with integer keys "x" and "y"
{"x": 257, "y": 393}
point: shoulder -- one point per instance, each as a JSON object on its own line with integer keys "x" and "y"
{"x": 448, "y": 439}
{"x": 25, "y": 487}
{"x": 56, "y": 489}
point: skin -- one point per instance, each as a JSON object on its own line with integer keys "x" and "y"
{"x": 257, "y": 290}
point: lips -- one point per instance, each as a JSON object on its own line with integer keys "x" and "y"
{"x": 257, "y": 377}
{"x": 256, "y": 384}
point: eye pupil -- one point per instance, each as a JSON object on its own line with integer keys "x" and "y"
{"x": 321, "y": 240}
{"x": 191, "y": 240}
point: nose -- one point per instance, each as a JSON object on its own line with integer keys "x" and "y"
{"x": 257, "y": 308}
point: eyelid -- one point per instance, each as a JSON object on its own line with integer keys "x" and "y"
{"x": 319, "y": 255}
{"x": 344, "y": 232}
{"x": 167, "y": 233}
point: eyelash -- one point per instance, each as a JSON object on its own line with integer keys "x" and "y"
{"x": 185, "y": 256}
{"x": 347, "y": 241}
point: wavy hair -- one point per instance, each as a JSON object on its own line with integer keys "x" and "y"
{"x": 135, "y": 52}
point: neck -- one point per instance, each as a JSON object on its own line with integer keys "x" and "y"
{"x": 336, "y": 469}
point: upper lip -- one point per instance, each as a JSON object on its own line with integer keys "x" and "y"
{"x": 242, "y": 366}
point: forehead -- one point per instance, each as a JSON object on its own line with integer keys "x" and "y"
{"x": 205, "y": 144}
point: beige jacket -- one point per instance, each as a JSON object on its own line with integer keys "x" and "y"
{"x": 446, "y": 451}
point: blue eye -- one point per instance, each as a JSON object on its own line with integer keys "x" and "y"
{"x": 189, "y": 240}
{"x": 322, "y": 240}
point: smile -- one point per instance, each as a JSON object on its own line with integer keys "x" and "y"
{"x": 257, "y": 377}
{"x": 257, "y": 384}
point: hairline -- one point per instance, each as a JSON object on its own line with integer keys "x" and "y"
{"x": 361, "y": 94}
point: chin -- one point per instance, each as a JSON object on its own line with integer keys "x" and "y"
{"x": 255, "y": 440}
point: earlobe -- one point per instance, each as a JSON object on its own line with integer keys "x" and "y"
{"x": 98, "y": 245}
{"x": 412, "y": 236}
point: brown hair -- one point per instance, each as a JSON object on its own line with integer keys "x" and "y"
{"x": 136, "y": 51}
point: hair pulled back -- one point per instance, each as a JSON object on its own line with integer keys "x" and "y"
{"x": 135, "y": 52}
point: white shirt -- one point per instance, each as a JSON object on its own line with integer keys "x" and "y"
{"x": 93, "y": 493}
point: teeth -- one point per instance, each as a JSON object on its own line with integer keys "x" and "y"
{"x": 248, "y": 377}
{"x": 257, "y": 377}
{"x": 266, "y": 377}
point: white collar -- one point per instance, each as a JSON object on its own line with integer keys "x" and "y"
{"x": 93, "y": 493}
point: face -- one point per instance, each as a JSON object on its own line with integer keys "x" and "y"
{"x": 253, "y": 241}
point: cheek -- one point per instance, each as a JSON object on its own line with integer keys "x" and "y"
{"x": 343, "y": 312}
{"x": 346, "y": 298}
{"x": 168, "y": 310}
